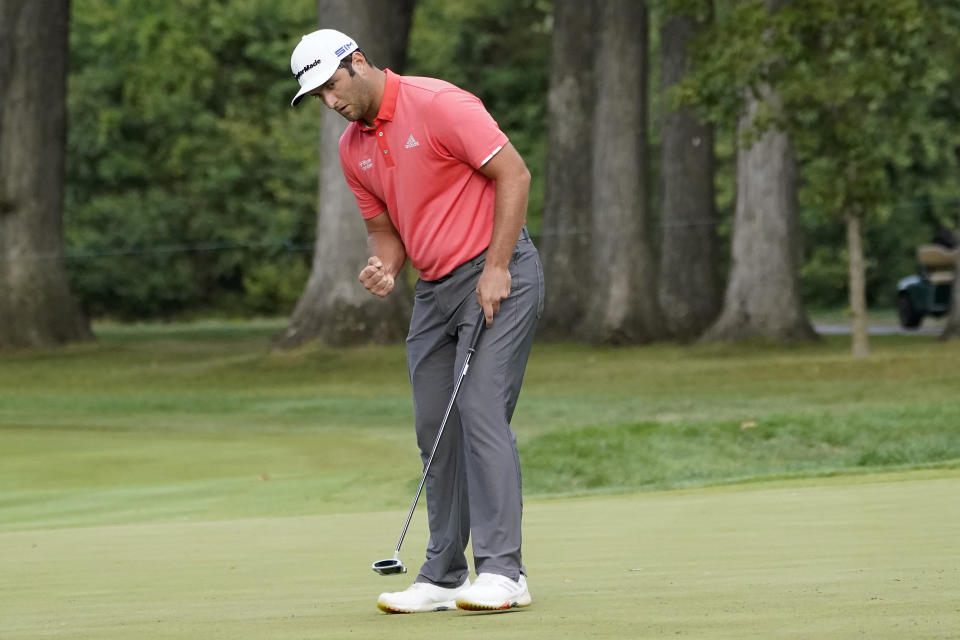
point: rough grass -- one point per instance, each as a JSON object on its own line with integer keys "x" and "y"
{"x": 679, "y": 454}
{"x": 212, "y": 424}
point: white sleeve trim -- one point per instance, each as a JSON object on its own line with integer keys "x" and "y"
{"x": 493, "y": 153}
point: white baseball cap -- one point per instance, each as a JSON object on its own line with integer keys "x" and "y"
{"x": 317, "y": 57}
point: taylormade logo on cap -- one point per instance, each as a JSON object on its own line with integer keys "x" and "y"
{"x": 317, "y": 57}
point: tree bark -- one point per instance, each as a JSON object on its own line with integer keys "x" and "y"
{"x": 860, "y": 345}
{"x": 565, "y": 236}
{"x": 690, "y": 286}
{"x": 763, "y": 293}
{"x": 37, "y": 308}
{"x": 623, "y": 305}
{"x": 334, "y": 306}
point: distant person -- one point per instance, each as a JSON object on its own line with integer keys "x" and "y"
{"x": 945, "y": 238}
{"x": 437, "y": 182}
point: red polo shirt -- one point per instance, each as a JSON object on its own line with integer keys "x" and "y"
{"x": 419, "y": 162}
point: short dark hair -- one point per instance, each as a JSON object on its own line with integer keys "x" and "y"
{"x": 347, "y": 61}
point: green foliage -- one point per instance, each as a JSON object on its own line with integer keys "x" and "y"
{"x": 188, "y": 174}
{"x": 890, "y": 250}
{"x": 850, "y": 77}
{"x": 869, "y": 109}
{"x": 191, "y": 184}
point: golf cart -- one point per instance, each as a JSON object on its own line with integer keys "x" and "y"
{"x": 927, "y": 293}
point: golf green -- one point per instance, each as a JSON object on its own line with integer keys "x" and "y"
{"x": 856, "y": 556}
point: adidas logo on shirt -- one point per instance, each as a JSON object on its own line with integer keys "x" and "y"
{"x": 411, "y": 142}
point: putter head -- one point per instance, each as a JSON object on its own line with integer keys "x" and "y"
{"x": 389, "y": 567}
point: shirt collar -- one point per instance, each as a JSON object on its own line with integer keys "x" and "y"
{"x": 388, "y": 104}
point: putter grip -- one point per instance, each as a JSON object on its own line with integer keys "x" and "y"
{"x": 477, "y": 330}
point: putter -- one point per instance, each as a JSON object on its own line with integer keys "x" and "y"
{"x": 394, "y": 565}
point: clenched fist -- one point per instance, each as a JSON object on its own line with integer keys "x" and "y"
{"x": 375, "y": 278}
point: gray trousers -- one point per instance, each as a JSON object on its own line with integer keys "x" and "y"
{"x": 474, "y": 482}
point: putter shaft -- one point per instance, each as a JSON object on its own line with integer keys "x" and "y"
{"x": 453, "y": 397}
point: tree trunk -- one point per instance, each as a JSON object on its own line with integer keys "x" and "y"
{"x": 690, "y": 292}
{"x": 623, "y": 306}
{"x": 334, "y": 306}
{"x": 36, "y": 306}
{"x": 763, "y": 293}
{"x": 858, "y": 288}
{"x": 565, "y": 237}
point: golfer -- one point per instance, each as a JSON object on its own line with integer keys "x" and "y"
{"x": 438, "y": 183}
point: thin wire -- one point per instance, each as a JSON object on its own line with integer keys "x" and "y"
{"x": 204, "y": 247}
{"x": 293, "y": 247}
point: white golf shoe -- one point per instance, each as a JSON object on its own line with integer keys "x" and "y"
{"x": 421, "y": 597}
{"x": 493, "y": 592}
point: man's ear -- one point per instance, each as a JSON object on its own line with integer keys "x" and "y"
{"x": 359, "y": 61}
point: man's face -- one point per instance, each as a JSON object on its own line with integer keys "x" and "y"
{"x": 350, "y": 96}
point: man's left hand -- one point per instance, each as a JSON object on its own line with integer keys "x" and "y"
{"x": 492, "y": 288}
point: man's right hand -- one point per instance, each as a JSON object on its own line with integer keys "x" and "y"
{"x": 375, "y": 279}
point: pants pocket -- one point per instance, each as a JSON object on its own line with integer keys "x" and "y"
{"x": 541, "y": 288}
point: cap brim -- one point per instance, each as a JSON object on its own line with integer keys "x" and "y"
{"x": 313, "y": 79}
{"x": 303, "y": 91}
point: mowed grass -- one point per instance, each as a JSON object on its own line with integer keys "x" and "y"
{"x": 183, "y": 481}
{"x": 872, "y": 556}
